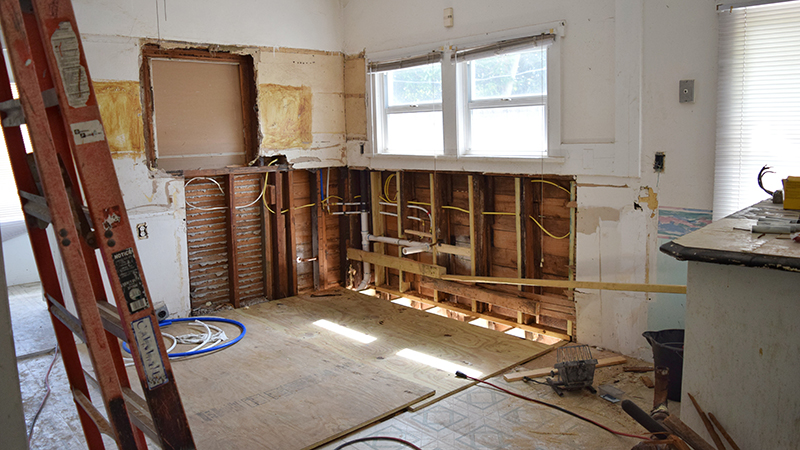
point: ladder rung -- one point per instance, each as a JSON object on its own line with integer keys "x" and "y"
{"x": 94, "y": 414}
{"x": 36, "y": 206}
{"x": 110, "y": 318}
{"x": 140, "y": 413}
{"x": 66, "y": 317}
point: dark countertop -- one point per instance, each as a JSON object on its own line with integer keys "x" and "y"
{"x": 729, "y": 241}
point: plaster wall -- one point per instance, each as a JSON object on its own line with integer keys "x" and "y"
{"x": 113, "y": 33}
{"x": 620, "y": 64}
{"x": 621, "y": 61}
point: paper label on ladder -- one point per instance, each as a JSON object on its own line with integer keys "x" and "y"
{"x": 130, "y": 280}
{"x": 86, "y": 132}
{"x": 67, "y": 52}
{"x": 152, "y": 362}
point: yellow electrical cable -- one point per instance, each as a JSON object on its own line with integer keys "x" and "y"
{"x": 386, "y": 189}
{"x": 547, "y": 232}
{"x": 305, "y": 206}
{"x": 553, "y": 184}
{"x": 495, "y": 213}
{"x": 419, "y": 203}
{"x": 330, "y": 197}
{"x": 456, "y": 208}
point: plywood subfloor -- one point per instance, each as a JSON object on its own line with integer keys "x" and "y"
{"x": 293, "y": 385}
{"x": 276, "y": 392}
{"x": 396, "y": 328}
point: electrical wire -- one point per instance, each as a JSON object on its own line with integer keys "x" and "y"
{"x": 547, "y": 232}
{"x": 540, "y": 402}
{"x": 552, "y": 184}
{"x": 377, "y": 438}
{"x": 200, "y": 351}
{"x": 46, "y": 395}
{"x": 456, "y": 208}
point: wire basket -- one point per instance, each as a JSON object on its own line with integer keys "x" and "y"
{"x": 575, "y": 367}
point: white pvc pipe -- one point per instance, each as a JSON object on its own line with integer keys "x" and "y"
{"x": 367, "y": 272}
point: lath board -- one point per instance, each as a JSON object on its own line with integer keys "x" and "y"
{"x": 206, "y": 233}
{"x": 249, "y": 242}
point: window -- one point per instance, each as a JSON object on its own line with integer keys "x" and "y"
{"x": 758, "y": 111}
{"x": 199, "y": 108}
{"x": 505, "y": 100}
{"x": 408, "y": 106}
{"x": 499, "y": 102}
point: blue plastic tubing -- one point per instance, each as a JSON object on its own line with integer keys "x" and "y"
{"x": 204, "y": 319}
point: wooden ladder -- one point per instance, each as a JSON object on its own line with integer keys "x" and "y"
{"x": 71, "y": 159}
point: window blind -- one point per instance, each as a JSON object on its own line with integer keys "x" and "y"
{"x": 428, "y": 58}
{"x": 758, "y": 110}
{"x": 503, "y": 47}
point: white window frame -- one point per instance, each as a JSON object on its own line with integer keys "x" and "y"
{"x": 380, "y": 109}
{"x": 466, "y": 104}
{"x": 455, "y": 139}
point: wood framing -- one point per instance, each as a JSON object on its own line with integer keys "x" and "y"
{"x": 404, "y": 264}
{"x": 631, "y": 287}
{"x": 480, "y": 226}
{"x": 233, "y": 264}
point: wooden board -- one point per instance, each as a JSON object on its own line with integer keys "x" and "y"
{"x": 274, "y": 391}
{"x": 536, "y": 373}
{"x": 397, "y": 327}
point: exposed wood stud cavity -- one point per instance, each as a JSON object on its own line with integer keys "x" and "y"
{"x": 245, "y": 246}
{"x": 479, "y": 225}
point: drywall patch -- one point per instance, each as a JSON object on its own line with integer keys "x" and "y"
{"x": 121, "y": 111}
{"x": 589, "y": 218}
{"x": 285, "y": 116}
{"x": 650, "y": 198}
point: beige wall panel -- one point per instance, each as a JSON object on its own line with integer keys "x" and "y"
{"x": 328, "y": 113}
{"x": 121, "y": 110}
{"x": 285, "y": 116}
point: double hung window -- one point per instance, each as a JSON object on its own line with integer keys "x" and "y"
{"x": 504, "y": 97}
{"x": 408, "y": 105}
{"x": 497, "y": 94}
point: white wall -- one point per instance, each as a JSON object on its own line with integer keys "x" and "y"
{"x": 308, "y": 24}
{"x": 19, "y": 263}
{"x": 621, "y": 61}
{"x": 112, "y": 32}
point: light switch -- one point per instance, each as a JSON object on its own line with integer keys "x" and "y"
{"x": 686, "y": 91}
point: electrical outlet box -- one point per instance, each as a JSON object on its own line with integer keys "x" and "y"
{"x": 686, "y": 94}
{"x": 658, "y": 164}
{"x": 141, "y": 231}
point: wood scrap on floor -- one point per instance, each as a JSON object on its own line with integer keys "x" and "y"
{"x": 537, "y": 373}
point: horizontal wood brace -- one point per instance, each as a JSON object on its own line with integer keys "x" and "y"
{"x": 631, "y": 287}
{"x": 509, "y": 301}
{"x": 404, "y": 264}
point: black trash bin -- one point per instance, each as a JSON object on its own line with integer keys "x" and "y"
{"x": 668, "y": 352}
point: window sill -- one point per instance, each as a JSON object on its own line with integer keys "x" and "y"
{"x": 471, "y": 158}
